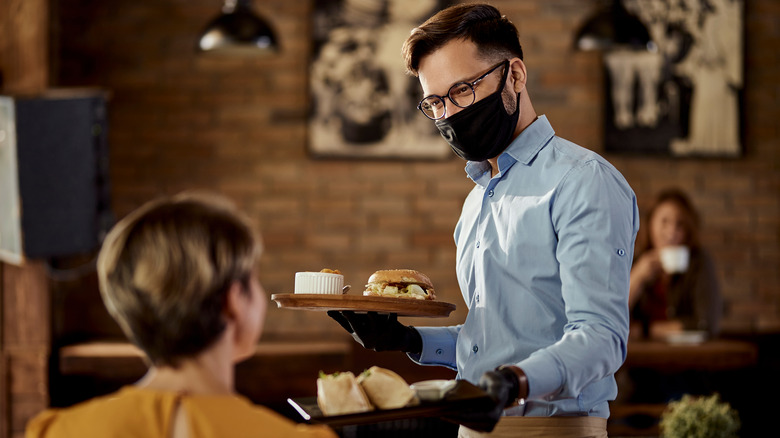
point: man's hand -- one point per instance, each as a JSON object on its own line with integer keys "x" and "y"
{"x": 379, "y": 331}
{"x": 504, "y": 386}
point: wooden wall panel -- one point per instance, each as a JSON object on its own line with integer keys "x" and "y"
{"x": 26, "y": 344}
{"x": 25, "y": 326}
{"x": 24, "y": 46}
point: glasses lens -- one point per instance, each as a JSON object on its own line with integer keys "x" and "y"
{"x": 432, "y": 107}
{"x": 462, "y": 94}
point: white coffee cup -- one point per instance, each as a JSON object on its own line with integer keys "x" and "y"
{"x": 674, "y": 259}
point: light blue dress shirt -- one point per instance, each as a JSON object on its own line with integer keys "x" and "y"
{"x": 544, "y": 252}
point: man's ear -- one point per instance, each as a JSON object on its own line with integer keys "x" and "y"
{"x": 235, "y": 301}
{"x": 518, "y": 72}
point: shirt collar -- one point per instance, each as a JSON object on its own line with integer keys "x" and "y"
{"x": 523, "y": 149}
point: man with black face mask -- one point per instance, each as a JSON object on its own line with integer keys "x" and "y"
{"x": 544, "y": 243}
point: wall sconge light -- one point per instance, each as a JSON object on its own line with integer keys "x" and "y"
{"x": 613, "y": 27}
{"x": 238, "y": 30}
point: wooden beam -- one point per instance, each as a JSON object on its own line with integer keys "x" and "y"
{"x": 24, "y": 46}
{"x": 25, "y": 344}
{"x": 25, "y": 323}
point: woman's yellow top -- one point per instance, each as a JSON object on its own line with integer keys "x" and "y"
{"x": 137, "y": 412}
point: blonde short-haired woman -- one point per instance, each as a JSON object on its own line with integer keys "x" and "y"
{"x": 178, "y": 275}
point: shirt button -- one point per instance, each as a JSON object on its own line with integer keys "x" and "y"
{"x": 621, "y": 252}
{"x": 490, "y": 193}
{"x": 477, "y": 298}
{"x": 477, "y": 244}
{"x": 475, "y": 349}
{"x": 438, "y": 351}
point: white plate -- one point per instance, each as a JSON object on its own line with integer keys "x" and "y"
{"x": 433, "y": 390}
{"x": 687, "y": 337}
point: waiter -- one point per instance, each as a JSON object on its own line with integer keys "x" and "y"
{"x": 544, "y": 243}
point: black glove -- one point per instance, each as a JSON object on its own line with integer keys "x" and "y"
{"x": 379, "y": 331}
{"x": 503, "y": 387}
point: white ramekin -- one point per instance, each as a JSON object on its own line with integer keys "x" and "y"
{"x": 318, "y": 283}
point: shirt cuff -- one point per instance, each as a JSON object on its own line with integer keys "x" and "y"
{"x": 438, "y": 346}
{"x": 543, "y": 378}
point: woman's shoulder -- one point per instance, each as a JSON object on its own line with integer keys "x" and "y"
{"x": 701, "y": 260}
{"x": 147, "y": 413}
{"x": 236, "y": 416}
{"x": 89, "y": 418}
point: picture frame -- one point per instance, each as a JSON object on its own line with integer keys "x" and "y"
{"x": 364, "y": 103}
{"x": 682, "y": 97}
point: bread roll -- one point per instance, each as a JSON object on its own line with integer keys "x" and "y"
{"x": 386, "y": 389}
{"x": 339, "y": 394}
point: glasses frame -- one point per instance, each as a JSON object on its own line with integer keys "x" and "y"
{"x": 472, "y": 85}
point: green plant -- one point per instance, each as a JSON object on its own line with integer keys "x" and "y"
{"x": 699, "y": 417}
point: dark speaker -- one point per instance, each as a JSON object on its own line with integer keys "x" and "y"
{"x": 63, "y": 179}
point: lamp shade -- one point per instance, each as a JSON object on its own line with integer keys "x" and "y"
{"x": 238, "y": 30}
{"x": 612, "y": 27}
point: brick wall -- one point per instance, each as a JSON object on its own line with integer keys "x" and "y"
{"x": 238, "y": 125}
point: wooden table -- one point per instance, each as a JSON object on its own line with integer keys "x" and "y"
{"x": 276, "y": 371}
{"x": 708, "y": 357}
{"x": 107, "y": 357}
{"x": 711, "y": 355}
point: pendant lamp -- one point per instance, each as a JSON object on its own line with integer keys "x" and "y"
{"x": 238, "y": 30}
{"x": 613, "y": 27}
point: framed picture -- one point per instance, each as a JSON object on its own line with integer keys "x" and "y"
{"x": 684, "y": 97}
{"x": 10, "y": 213}
{"x": 364, "y": 104}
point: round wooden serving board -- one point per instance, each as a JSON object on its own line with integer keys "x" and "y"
{"x": 360, "y": 303}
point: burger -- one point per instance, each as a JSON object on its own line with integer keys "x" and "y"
{"x": 400, "y": 283}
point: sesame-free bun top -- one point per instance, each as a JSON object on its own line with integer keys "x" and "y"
{"x": 400, "y": 283}
{"x": 409, "y": 276}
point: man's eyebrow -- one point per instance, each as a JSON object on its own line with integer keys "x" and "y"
{"x": 469, "y": 80}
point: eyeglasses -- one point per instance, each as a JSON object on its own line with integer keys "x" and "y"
{"x": 461, "y": 94}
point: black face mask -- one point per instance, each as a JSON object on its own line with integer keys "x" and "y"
{"x": 482, "y": 130}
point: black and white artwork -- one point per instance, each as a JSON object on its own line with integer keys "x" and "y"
{"x": 683, "y": 97}
{"x": 10, "y": 202}
{"x": 364, "y": 104}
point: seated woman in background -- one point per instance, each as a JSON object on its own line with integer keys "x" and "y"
{"x": 665, "y": 298}
{"x": 178, "y": 275}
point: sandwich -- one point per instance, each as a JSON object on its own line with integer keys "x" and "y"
{"x": 400, "y": 283}
{"x": 339, "y": 394}
{"x": 386, "y": 389}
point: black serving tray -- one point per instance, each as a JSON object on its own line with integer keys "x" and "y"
{"x": 463, "y": 397}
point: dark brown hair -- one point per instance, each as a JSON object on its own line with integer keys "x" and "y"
{"x": 495, "y": 36}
